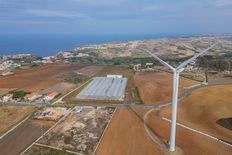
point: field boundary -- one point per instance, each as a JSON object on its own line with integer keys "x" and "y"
{"x": 104, "y": 132}
{"x": 56, "y": 148}
{"x": 14, "y": 127}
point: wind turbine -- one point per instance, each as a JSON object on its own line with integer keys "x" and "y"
{"x": 176, "y": 72}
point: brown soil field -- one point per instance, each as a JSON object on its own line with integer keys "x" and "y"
{"x": 157, "y": 87}
{"x": 62, "y": 87}
{"x": 38, "y": 78}
{"x": 190, "y": 142}
{"x": 126, "y": 134}
{"x": 4, "y": 91}
{"x": 202, "y": 108}
{"x": 20, "y": 138}
{"x": 11, "y": 115}
{"x": 90, "y": 70}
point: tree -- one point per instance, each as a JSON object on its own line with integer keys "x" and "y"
{"x": 19, "y": 94}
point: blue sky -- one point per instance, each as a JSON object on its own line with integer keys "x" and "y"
{"x": 115, "y": 16}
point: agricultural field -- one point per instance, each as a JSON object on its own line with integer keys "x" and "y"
{"x": 20, "y": 138}
{"x": 157, "y": 87}
{"x": 10, "y": 115}
{"x": 203, "y": 108}
{"x": 90, "y": 70}
{"x": 126, "y": 134}
{"x": 4, "y": 91}
{"x": 81, "y": 130}
{"x": 219, "y": 78}
{"x": 62, "y": 88}
{"x": 200, "y": 110}
{"x": 38, "y": 78}
{"x": 191, "y": 143}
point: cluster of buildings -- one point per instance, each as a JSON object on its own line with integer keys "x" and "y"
{"x": 68, "y": 55}
{"x": 31, "y": 98}
{"x": 45, "y": 60}
{"x": 7, "y": 66}
{"x": 192, "y": 66}
{"x": 129, "y": 44}
{"x": 150, "y": 67}
{"x": 145, "y": 67}
{"x": 9, "y": 62}
{"x": 16, "y": 56}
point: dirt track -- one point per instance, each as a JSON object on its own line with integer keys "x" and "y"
{"x": 18, "y": 140}
{"x": 39, "y": 78}
{"x": 125, "y": 135}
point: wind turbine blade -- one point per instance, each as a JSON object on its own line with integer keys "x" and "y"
{"x": 157, "y": 58}
{"x": 160, "y": 60}
{"x": 185, "y": 63}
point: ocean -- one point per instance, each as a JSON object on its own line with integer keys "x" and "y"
{"x": 46, "y": 45}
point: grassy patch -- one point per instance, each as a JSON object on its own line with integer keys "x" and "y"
{"x": 39, "y": 150}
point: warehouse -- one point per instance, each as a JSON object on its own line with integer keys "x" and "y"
{"x": 104, "y": 88}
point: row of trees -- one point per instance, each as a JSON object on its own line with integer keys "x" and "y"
{"x": 219, "y": 64}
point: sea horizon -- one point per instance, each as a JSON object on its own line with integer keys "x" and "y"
{"x": 50, "y": 44}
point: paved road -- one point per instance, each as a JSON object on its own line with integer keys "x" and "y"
{"x": 124, "y": 105}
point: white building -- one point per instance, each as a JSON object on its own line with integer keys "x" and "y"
{"x": 7, "y": 98}
{"x": 114, "y": 76}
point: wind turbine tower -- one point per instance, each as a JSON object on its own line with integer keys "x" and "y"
{"x": 176, "y": 72}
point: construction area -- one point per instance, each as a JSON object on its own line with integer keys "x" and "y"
{"x": 111, "y": 87}
{"x": 50, "y": 113}
{"x": 80, "y": 132}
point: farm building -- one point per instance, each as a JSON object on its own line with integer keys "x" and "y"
{"x": 104, "y": 88}
{"x": 32, "y": 97}
{"x": 50, "y": 96}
